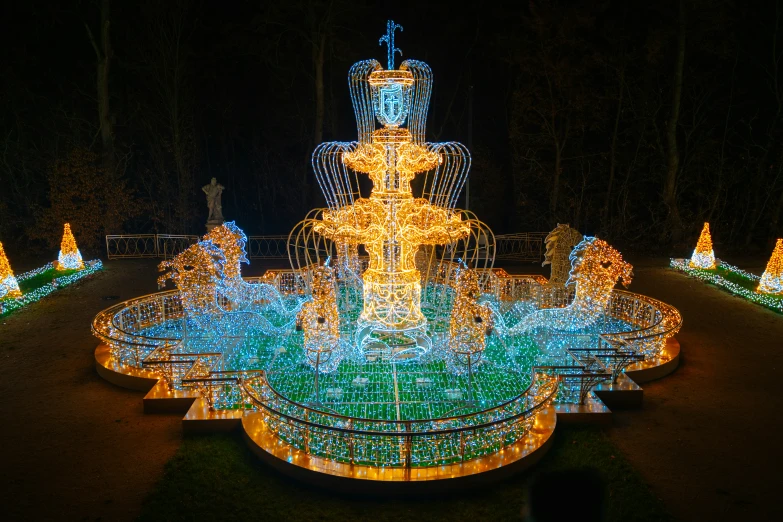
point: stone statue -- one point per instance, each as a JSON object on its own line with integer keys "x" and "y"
{"x": 213, "y": 192}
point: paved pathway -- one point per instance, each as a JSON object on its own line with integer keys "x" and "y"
{"x": 708, "y": 439}
{"x": 72, "y": 446}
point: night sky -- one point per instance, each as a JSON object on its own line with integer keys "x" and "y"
{"x": 571, "y": 111}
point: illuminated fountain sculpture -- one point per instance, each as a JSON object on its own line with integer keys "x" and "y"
{"x": 393, "y": 349}
{"x": 391, "y": 223}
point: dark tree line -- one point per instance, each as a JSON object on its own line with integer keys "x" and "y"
{"x": 634, "y": 121}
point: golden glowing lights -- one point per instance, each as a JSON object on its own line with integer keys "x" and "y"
{"x": 320, "y": 321}
{"x": 595, "y": 268}
{"x": 9, "y": 287}
{"x": 559, "y": 244}
{"x": 772, "y": 280}
{"x": 390, "y": 404}
{"x": 196, "y": 272}
{"x": 391, "y": 224}
{"x": 231, "y": 241}
{"x": 470, "y": 322}
{"x": 69, "y": 258}
{"x": 211, "y": 287}
{"x": 703, "y": 256}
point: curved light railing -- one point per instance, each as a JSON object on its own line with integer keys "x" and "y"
{"x": 121, "y": 326}
{"x": 655, "y": 321}
{"x": 413, "y": 443}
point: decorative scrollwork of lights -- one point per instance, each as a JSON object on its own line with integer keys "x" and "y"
{"x": 319, "y": 319}
{"x": 470, "y": 323}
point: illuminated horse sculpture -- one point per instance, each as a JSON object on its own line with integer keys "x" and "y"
{"x": 595, "y": 269}
{"x": 196, "y": 272}
{"x": 211, "y": 287}
{"x": 320, "y": 320}
{"x": 470, "y": 323}
{"x": 559, "y": 244}
{"x": 237, "y": 293}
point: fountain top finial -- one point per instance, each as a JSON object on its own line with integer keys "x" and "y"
{"x": 389, "y": 39}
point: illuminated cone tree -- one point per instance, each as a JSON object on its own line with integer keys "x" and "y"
{"x": 772, "y": 279}
{"x": 703, "y": 256}
{"x": 8, "y": 285}
{"x": 70, "y": 258}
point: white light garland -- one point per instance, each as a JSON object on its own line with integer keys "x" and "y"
{"x": 718, "y": 280}
{"x": 8, "y": 305}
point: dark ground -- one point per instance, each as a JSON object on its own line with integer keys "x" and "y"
{"x": 707, "y": 438}
{"x": 76, "y": 447}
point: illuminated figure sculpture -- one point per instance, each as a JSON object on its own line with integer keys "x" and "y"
{"x": 772, "y": 278}
{"x": 320, "y": 321}
{"x": 391, "y": 223}
{"x": 595, "y": 269}
{"x": 69, "y": 258}
{"x": 213, "y": 192}
{"x": 559, "y": 244}
{"x": 9, "y": 287}
{"x": 703, "y": 256}
{"x": 470, "y": 323}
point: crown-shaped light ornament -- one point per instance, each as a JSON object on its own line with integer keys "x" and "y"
{"x": 703, "y": 256}
{"x": 772, "y": 279}
{"x": 9, "y": 287}
{"x": 69, "y": 258}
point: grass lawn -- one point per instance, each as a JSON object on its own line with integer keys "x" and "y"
{"x": 216, "y": 477}
{"x": 37, "y": 281}
{"x": 40, "y": 285}
{"x": 743, "y": 281}
{"x": 34, "y": 283}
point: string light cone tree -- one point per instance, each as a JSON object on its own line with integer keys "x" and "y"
{"x": 9, "y": 287}
{"x": 69, "y": 258}
{"x": 703, "y": 256}
{"x": 772, "y": 279}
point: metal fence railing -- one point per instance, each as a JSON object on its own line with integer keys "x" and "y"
{"x": 170, "y": 245}
{"x": 166, "y": 246}
{"x": 147, "y": 245}
{"x": 524, "y": 246}
{"x": 267, "y": 247}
